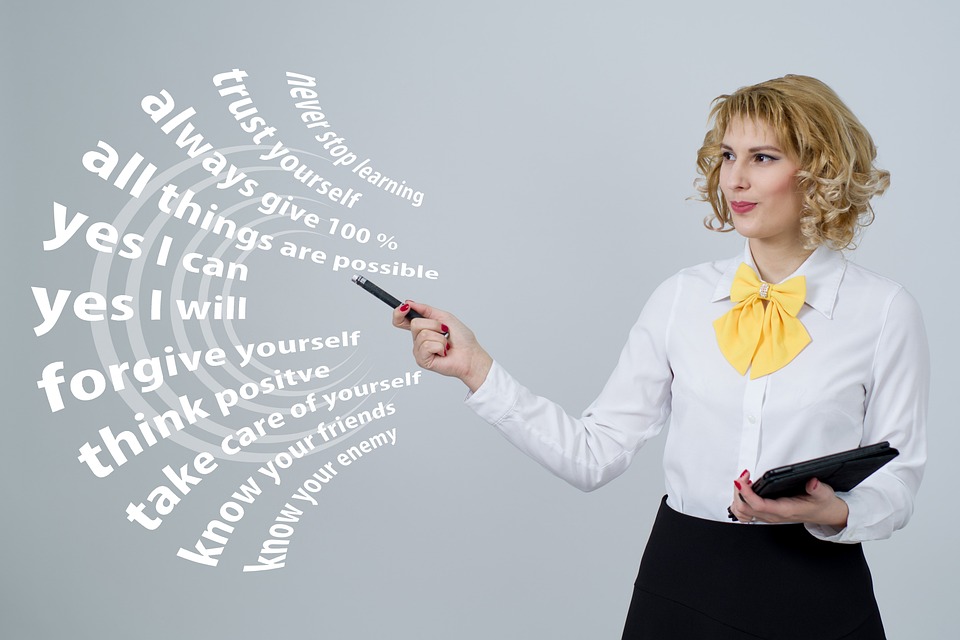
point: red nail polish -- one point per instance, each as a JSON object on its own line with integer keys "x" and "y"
{"x": 745, "y": 471}
{"x": 749, "y": 482}
{"x": 444, "y": 328}
{"x": 737, "y": 485}
{"x": 404, "y": 307}
{"x": 449, "y": 346}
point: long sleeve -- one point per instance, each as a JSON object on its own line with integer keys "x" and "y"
{"x": 634, "y": 405}
{"x": 896, "y": 411}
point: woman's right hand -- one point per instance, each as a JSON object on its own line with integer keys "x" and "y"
{"x": 458, "y": 354}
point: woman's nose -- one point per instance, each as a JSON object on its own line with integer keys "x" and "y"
{"x": 735, "y": 178}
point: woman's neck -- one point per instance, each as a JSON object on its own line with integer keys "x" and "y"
{"x": 776, "y": 261}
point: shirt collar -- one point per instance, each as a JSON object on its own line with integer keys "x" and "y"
{"x": 824, "y": 270}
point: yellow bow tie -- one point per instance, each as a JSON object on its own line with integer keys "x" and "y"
{"x": 768, "y": 335}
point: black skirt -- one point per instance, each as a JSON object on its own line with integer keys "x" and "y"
{"x": 724, "y": 581}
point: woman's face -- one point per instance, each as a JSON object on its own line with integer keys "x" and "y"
{"x": 759, "y": 183}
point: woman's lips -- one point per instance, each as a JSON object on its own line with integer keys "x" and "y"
{"x": 742, "y": 207}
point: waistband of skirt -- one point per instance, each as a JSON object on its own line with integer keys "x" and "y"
{"x": 782, "y": 570}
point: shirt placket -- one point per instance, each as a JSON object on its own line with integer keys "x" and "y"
{"x": 751, "y": 423}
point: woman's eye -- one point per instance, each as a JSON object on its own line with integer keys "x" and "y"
{"x": 726, "y": 155}
{"x": 762, "y": 157}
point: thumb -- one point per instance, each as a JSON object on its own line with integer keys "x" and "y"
{"x": 815, "y": 488}
{"x": 427, "y": 311}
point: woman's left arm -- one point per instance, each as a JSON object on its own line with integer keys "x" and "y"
{"x": 896, "y": 411}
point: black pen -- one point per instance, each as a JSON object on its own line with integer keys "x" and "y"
{"x": 386, "y": 297}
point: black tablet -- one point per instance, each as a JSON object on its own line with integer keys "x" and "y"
{"x": 842, "y": 471}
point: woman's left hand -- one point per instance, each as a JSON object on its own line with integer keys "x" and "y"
{"x": 820, "y": 505}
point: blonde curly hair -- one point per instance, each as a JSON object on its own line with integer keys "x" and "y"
{"x": 837, "y": 177}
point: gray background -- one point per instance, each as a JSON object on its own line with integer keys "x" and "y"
{"x": 555, "y": 143}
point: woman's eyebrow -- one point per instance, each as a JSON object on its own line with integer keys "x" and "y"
{"x": 766, "y": 147}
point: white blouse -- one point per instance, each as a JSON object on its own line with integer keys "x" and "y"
{"x": 864, "y": 378}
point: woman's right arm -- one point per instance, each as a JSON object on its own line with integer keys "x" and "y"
{"x": 457, "y": 354}
{"x": 588, "y": 451}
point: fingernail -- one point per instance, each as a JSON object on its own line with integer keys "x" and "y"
{"x": 444, "y": 328}
{"x": 749, "y": 482}
{"x": 744, "y": 473}
{"x": 449, "y": 346}
{"x": 737, "y": 485}
{"x": 404, "y": 307}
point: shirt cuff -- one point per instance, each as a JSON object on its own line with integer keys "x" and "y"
{"x": 496, "y": 397}
{"x": 836, "y": 534}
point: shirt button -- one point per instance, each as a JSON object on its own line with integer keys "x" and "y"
{"x": 752, "y": 419}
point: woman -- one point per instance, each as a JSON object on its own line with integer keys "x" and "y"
{"x": 784, "y": 353}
